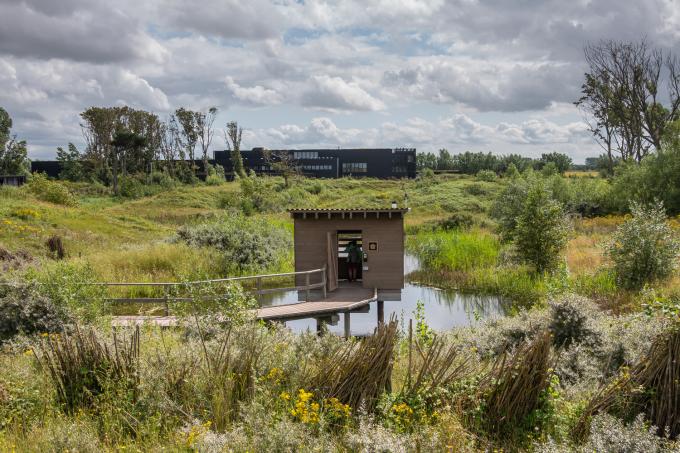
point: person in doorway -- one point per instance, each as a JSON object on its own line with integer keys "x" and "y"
{"x": 354, "y": 256}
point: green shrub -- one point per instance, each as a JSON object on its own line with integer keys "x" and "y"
{"x": 161, "y": 178}
{"x": 486, "y": 175}
{"x": 458, "y": 221}
{"x": 644, "y": 248}
{"x": 130, "y": 187}
{"x": 69, "y": 285}
{"x": 50, "y": 191}
{"x": 246, "y": 244}
{"x": 24, "y": 311}
{"x": 542, "y": 230}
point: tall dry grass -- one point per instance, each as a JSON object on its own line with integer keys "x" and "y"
{"x": 651, "y": 386}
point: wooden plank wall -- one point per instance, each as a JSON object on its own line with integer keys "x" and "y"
{"x": 385, "y": 265}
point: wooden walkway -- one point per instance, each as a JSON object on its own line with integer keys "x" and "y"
{"x": 345, "y": 299}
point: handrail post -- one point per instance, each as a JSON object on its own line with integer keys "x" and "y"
{"x": 167, "y": 302}
{"x": 307, "y": 287}
{"x": 323, "y": 280}
{"x": 259, "y": 290}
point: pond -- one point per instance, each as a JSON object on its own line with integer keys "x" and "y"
{"x": 442, "y": 309}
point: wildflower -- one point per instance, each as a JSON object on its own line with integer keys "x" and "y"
{"x": 285, "y": 396}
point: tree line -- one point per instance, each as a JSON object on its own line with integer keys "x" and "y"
{"x": 471, "y": 163}
{"x": 123, "y": 141}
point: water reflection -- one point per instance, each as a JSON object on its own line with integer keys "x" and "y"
{"x": 443, "y": 309}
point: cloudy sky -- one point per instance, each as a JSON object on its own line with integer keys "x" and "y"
{"x": 488, "y": 75}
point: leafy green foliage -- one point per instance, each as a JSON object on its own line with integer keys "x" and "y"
{"x": 72, "y": 168}
{"x": 24, "y": 310}
{"x": 246, "y": 244}
{"x": 50, "y": 191}
{"x": 486, "y": 175}
{"x": 644, "y": 248}
{"x": 13, "y": 153}
{"x": 542, "y": 230}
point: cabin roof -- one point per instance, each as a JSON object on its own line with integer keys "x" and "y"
{"x": 314, "y": 213}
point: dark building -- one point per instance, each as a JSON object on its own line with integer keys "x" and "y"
{"x": 12, "y": 180}
{"x": 315, "y": 163}
{"x": 331, "y": 163}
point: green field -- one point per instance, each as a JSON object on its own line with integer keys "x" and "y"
{"x": 247, "y": 387}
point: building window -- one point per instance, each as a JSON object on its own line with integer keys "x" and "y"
{"x": 317, "y": 167}
{"x": 305, "y": 155}
{"x": 354, "y": 167}
{"x": 398, "y": 169}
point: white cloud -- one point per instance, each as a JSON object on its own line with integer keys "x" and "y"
{"x": 333, "y": 93}
{"x": 256, "y": 95}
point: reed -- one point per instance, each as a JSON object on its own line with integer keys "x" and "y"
{"x": 358, "y": 373}
{"x": 651, "y": 386}
{"x": 82, "y": 365}
{"x": 514, "y": 385}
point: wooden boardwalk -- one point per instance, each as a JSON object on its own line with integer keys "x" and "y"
{"x": 345, "y": 299}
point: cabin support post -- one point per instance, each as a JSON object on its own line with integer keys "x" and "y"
{"x": 347, "y": 325}
{"x": 319, "y": 326}
{"x": 381, "y": 311}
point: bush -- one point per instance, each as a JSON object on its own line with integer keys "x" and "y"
{"x": 24, "y": 311}
{"x": 570, "y": 322}
{"x": 161, "y": 178}
{"x": 130, "y": 187}
{"x": 50, "y": 191}
{"x": 644, "y": 248}
{"x": 247, "y": 244}
{"x": 458, "y": 221}
{"x": 542, "y": 230}
{"x": 486, "y": 175}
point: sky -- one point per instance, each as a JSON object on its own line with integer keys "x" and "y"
{"x": 466, "y": 75}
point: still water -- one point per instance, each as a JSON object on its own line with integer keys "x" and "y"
{"x": 443, "y": 309}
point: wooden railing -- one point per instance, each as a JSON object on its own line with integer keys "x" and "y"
{"x": 259, "y": 287}
{"x": 170, "y": 287}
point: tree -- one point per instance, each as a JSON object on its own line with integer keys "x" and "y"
{"x": 622, "y": 97}
{"x": 188, "y": 134}
{"x": 426, "y": 160}
{"x": 71, "y": 163}
{"x": 99, "y": 127}
{"x": 13, "y": 152}
{"x": 562, "y": 161}
{"x": 233, "y": 135}
{"x": 205, "y": 130}
{"x": 283, "y": 163}
{"x": 124, "y": 142}
{"x": 644, "y": 248}
{"x": 542, "y": 229}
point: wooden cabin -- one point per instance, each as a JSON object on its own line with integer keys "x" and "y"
{"x": 321, "y": 237}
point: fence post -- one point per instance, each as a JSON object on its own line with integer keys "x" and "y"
{"x": 167, "y": 302}
{"x": 307, "y": 285}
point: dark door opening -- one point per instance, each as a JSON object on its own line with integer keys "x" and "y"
{"x": 344, "y": 239}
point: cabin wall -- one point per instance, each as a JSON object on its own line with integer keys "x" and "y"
{"x": 385, "y": 265}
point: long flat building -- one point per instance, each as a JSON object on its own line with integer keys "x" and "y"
{"x": 330, "y": 163}
{"x": 382, "y": 163}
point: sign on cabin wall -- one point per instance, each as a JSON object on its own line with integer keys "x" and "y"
{"x": 373, "y": 246}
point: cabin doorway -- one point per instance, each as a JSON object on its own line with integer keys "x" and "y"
{"x": 344, "y": 238}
